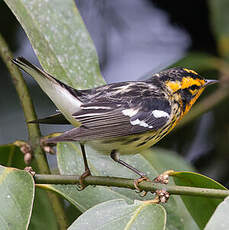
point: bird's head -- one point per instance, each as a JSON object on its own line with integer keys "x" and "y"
{"x": 185, "y": 83}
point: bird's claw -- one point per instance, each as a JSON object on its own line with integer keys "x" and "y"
{"x": 137, "y": 182}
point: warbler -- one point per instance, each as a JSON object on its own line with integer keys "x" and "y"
{"x": 120, "y": 118}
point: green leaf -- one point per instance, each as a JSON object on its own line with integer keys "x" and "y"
{"x": 219, "y": 16}
{"x": 219, "y": 219}
{"x": 163, "y": 160}
{"x": 85, "y": 199}
{"x": 151, "y": 162}
{"x": 198, "y": 61}
{"x": 11, "y": 156}
{"x": 178, "y": 217}
{"x": 43, "y": 216}
{"x": 16, "y": 196}
{"x": 60, "y": 40}
{"x": 117, "y": 214}
{"x": 201, "y": 208}
{"x": 70, "y": 163}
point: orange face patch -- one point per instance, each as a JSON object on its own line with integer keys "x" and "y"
{"x": 186, "y": 82}
{"x": 173, "y": 85}
{"x": 189, "y": 81}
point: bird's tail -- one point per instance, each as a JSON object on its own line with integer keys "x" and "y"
{"x": 32, "y": 70}
{"x": 54, "y": 119}
{"x": 59, "y": 93}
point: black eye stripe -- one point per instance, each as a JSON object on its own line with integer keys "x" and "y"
{"x": 193, "y": 87}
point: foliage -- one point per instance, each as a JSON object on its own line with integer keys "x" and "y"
{"x": 65, "y": 49}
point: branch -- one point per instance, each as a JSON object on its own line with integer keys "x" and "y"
{"x": 27, "y": 106}
{"x": 33, "y": 129}
{"x": 129, "y": 183}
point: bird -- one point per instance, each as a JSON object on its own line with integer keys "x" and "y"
{"x": 123, "y": 117}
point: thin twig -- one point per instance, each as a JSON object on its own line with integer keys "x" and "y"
{"x": 129, "y": 183}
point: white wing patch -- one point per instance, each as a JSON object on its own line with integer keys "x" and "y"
{"x": 141, "y": 123}
{"x": 159, "y": 113}
{"x": 129, "y": 112}
{"x": 156, "y": 113}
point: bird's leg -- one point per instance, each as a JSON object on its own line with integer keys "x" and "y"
{"x": 87, "y": 171}
{"x": 115, "y": 156}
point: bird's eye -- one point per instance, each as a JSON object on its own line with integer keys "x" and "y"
{"x": 193, "y": 87}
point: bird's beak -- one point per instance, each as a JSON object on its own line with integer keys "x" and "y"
{"x": 210, "y": 82}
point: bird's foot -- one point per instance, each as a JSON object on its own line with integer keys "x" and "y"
{"x": 137, "y": 182}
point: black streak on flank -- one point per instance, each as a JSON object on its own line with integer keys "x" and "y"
{"x": 144, "y": 142}
{"x": 150, "y": 138}
{"x": 115, "y": 140}
{"x": 132, "y": 140}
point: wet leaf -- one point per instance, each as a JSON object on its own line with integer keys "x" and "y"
{"x": 16, "y": 196}
{"x": 42, "y": 213}
{"x": 117, "y": 214}
{"x": 152, "y": 162}
{"x": 11, "y": 156}
{"x": 201, "y": 208}
{"x": 60, "y": 40}
{"x": 219, "y": 219}
{"x": 178, "y": 217}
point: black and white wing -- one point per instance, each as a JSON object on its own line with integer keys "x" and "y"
{"x": 100, "y": 121}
